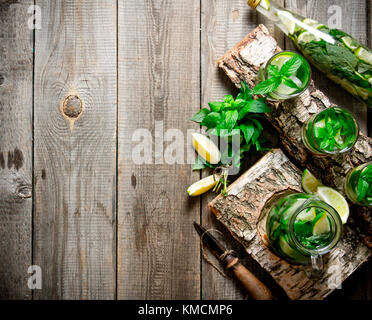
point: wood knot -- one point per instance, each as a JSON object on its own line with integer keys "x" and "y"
{"x": 72, "y": 106}
{"x": 24, "y": 191}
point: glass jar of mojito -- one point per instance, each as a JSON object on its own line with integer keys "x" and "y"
{"x": 289, "y": 86}
{"x": 301, "y": 228}
{"x": 358, "y": 185}
{"x": 331, "y": 131}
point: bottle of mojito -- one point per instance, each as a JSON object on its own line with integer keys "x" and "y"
{"x": 358, "y": 185}
{"x": 331, "y": 131}
{"x": 301, "y": 228}
{"x": 334, "y": 52}
{"x": 299, "y": 81}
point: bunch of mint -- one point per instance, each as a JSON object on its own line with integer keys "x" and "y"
{"x": 233, "y": 116}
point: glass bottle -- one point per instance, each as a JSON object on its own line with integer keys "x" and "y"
{"x": 341, "y": 57}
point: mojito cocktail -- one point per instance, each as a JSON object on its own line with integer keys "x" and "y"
{"x": 358, "y": 185}
{"x": 333, "y": 130}
{"x": 295, "y": 84}
{"x": 300, "y": 226}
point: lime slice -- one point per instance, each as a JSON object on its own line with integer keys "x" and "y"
{"x": 363, "y": 93}
{"x": 309, "y": 183}
{"x": 334, "y": 199}
{"x": 265, "y": 4}
{"x": 306, "y": 37}
{"x": 322, "y": 225}
{"x": 313, "y": 23}
{"x": 285, "y": 90}
{"x": 349, "y": 87}
{"x": 349, "y": 43}
{"x": 364, "y": 55}
{"x": 201, "y": 186}
{"x": 306, "y": 216}
{"x": 206, "y": 148}
{"x": 280, "y": 60}
{"x": 287, "y": 20}
{"x": 286, "y": 248}
{"x": 338, "y": 137}
{"x": 310, "y": 22}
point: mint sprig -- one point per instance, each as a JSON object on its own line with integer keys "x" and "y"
{"x": 278, "y": 76}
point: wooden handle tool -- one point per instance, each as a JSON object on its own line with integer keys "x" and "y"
{"x": 255, "y": 288}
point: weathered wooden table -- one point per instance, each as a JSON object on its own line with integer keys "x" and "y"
{"x": 73, "y": 93}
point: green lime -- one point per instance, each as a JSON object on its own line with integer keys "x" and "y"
{"x": 364, "y": 55}
{"x": 309, "y": 183}
{"x": 322, "y": 225}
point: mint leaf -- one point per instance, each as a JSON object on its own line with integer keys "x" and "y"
{"x": 199, "y": 116}
{"x": 291, "y": 66}
{"x": 267, "y": 86}
{"x": 199, "y": 164}
{"x": 212, "y": 120}
{"x": 248, "y": 131}
{"x": 245, "y": 91}
{"x": 256, "y": 106}
{"x": 362, "y": 189}
{"x": 290, "y": 83}
{"x": 230, "y": 119}
{"x": 215, "y": 106}
{"x": 273, "y": 70}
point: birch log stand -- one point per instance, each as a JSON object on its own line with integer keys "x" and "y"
{"x": 274, "y": 173}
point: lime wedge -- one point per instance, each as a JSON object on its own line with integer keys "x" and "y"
{"x": 349, "y": 43}
{"x": 364, "y": 55}
{"x": 265, "y": 4}
{"x": 334, "y": 199}
{"x": 205, "y": 148}
{"x": 287, "y": 20}
{"x": 201, "y": 186}
{"x": 286, "y": 248}
{"x": 306, "y": 37}
{"x": 321, "y": 226}
{"x": 306, "y": 216}
{"x": 309, "y": 183}
{"x": 280, "y": 60}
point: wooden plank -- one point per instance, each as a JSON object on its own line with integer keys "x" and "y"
{"x": 351, "y": 14}
{"x": 223, "y": 23}
{"x": 16, "y": 69}
{"x": 159, "y": 59}
{"x": 272, "y": 176}
{"x": 75, "y": 148}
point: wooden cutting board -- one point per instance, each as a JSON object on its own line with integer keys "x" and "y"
{"x": 241, "y": 211}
